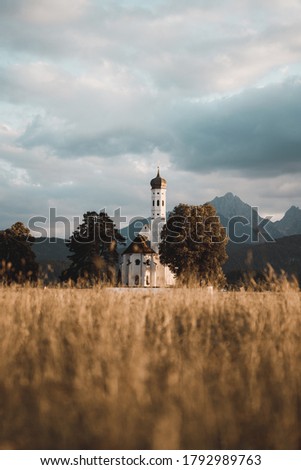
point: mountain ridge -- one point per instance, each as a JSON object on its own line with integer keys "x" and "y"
{"x": 284, "y": 253}
{"x": 231, "y": 205}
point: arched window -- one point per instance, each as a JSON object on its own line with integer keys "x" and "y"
{"x": 147, "y": 280}
{"x": 137, "y": 262}
{"x": 153, "y": 203}
{"x": 162, "y": 203}
{"x": 136, "y": 280}
{"x": 158, "y": 203}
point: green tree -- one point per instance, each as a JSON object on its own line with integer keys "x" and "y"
{"x": 93, "y": 246}
{"x": 16, "y": 256}
{"x": 193, "y": 244}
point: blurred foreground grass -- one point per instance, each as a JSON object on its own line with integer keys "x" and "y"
{"x": 163, "y": 369}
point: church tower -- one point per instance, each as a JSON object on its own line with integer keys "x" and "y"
{"x": 140, "y": 262}
{"x": 158, "y": 210}
{"x": 158, "y": 197}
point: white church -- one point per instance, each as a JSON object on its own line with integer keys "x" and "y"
{"x": 140, "y": 263}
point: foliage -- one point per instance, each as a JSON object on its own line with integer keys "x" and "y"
{"x": 194, "y": 244}
{"x": 16, "y": 256}
{"x": 94, "y": 250}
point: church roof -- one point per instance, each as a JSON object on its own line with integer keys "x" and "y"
{"x": 139, "y": 245}
{"x": 158, "y": 182}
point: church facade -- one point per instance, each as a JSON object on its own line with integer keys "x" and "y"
{"x": 140, "y": 262}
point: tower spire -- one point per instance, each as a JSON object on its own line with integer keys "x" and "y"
{"x": 158, "y": 196}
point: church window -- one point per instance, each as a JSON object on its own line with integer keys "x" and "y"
{"x": 158, "y": 203}
{"x": 137, "y": 262}
{"x": 136, "y": 280}
{"x": 147, "y": 262}
{"x": 153, "y": 203}
{"x": 158, "y": 193}
{"x": 147, "y": 280}
{"x": 162, "y": 203}
{"x": 158, "y": 214}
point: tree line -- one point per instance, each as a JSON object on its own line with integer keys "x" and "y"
{"x": 193, "y": 246}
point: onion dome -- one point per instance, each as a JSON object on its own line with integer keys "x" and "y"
{"x": 158, "y": 182}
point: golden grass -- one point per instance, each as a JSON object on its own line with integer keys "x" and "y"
{"x": 151, "y": 369}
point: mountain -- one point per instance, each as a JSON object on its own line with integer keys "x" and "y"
{"x": 242, "y": 221}
{"x": 290, "y": 224}
{"x": 284, "y": 253}
{"x": 230, "y": 206}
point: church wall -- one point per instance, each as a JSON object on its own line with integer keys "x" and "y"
{"x": 134, "y": 270}
{"x": 142, "y": 274}
{"x": 150, "y": 272}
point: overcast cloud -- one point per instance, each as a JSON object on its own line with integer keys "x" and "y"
{"x": 95, "y": 94}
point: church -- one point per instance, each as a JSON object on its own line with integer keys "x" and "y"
{"x": 140, "y": 262}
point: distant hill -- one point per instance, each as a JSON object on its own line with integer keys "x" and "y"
{"x": 50, "y": 248}
{"x": 284, "y": 254}
{"x": 51, "y": 254}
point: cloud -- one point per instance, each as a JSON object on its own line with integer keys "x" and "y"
{"x": 255, "y": 132}
{"x": 96, "y": 94}
{"x": 192, "y": 47}
{"x": 38, "y": 11}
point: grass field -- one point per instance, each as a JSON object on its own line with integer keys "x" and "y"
{"x": 152, "y": 369}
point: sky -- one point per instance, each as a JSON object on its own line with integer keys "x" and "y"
{"x": 95, "y": 94}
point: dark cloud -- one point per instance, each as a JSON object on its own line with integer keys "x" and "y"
{"x": 76, "y": 143}
{"x": 256, "y": 132}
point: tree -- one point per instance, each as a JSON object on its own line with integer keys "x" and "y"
{"x": 193, "y": 244}
{"x": 17, "y": 258}
{"x": 94, "y": 250}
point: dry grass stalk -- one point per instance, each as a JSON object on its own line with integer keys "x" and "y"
{"x": 131, "y": 369}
